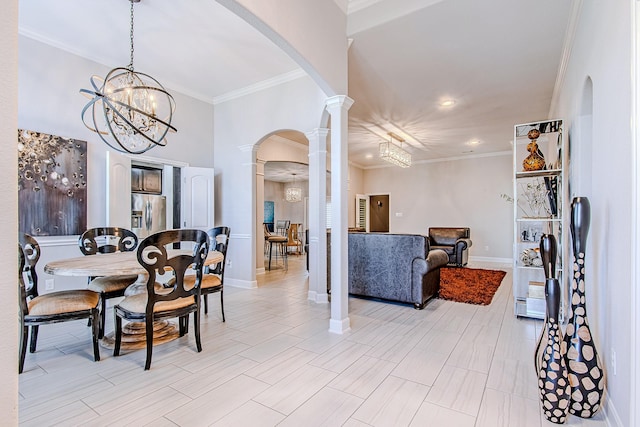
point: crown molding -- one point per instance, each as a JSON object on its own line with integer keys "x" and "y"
{"x": 262, "y": 85}
{"x": 569, "y": 38}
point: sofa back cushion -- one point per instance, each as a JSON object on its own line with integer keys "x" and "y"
{"x": 447, "y": 236}
{"x": 380, "y": 264}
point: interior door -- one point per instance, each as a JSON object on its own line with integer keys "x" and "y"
{"x": 118, "y": 190}
{"x": 198, "y": 198}
{"x": 379, "y": 213}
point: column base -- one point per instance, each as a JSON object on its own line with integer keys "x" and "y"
{"x": 318, "y": 298}
{"x": 339, "y": 326}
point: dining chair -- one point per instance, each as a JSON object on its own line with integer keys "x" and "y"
{"x": 280, "y": 241}
{"x": 177, "y": 299}
{"x": 102, "y": 240}
{"x": 293, "y": 240}
{"x": 213, "y": 278}
{"x": 282, "y": 226}
{"x": 53, "y": 307}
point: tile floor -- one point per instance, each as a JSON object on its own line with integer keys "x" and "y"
{"x": 274, "y": 363}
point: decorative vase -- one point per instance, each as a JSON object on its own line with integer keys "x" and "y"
{"x": 549, "y": 254}
{"x": 553, "y": 382}
{"x": 586, "y": 374}
{"x": 535, "y": 160}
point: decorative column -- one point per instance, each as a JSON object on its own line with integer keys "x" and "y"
{"x": 338, "y": 107}
{"x": 259, "y": 216}
{"x": 317, "y": 217}
{"x": 243, "y": 224}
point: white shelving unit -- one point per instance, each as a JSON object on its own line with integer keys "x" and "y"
{"x": 539, "y": 206}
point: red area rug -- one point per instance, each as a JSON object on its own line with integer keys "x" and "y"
{"x": 469, "y": 285}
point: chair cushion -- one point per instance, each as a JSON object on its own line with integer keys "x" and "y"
{"x": 277, "y": 239}
{"x": 141, "y": 288}
{"x": 208, "y": 281}
{"x": 112, "y": 283}
{"x": 448, "y": 249}
{"x": 63, "y": 302}
{"x": 138, "y": 304}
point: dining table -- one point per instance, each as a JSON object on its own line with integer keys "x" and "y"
{"x": 125, "y": 263}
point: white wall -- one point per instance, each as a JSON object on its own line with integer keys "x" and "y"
{"x": 241, "y": 124}
{"x": 9, "y": 213}
{"x": 456, "y": 193}
{"x": 49, "y": 101}
{"x": 602, "y": 50}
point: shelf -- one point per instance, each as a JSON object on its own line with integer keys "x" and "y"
{"x": 542, "y": 192}
{"x": 535, "y": 174}
{"x": 521, "y": 310}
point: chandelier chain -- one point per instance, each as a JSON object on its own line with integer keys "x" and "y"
{"x": 131, "y": 38}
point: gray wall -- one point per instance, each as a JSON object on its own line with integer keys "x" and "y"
{"x": 451, "y": 193}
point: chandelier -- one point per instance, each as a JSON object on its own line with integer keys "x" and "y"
{"x": 293, "y": 193}
{"x": 393, "y": 153}
{"x": 129, "y": 110}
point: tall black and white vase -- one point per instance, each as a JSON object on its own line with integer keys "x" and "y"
{"x": 586, "y": 374}
{"x": 548, "y": 254}
{"x": 553, "y": 382}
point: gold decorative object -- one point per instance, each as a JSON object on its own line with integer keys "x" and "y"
{"x": 535, "y": 160}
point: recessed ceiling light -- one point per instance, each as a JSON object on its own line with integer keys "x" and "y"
{"x": 447, "y": 103}
{"x": 473, "y": 142}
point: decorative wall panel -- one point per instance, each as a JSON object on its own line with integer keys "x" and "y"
{"x": 52, "y": 184}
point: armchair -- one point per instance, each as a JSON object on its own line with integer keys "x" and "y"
{"x": 454, "y": 241}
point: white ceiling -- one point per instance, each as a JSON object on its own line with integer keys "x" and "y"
{"x": 497, "y": 58}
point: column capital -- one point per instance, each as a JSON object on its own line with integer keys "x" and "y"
{"x": 320, "y": 132}
{"x": 339, "y": 101}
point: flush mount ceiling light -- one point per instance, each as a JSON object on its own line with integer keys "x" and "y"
{"x": 393, "y": 153}
{"x": 446, "y": 103}
{"x": 293, "y": 193}
{"x": 129, "y": 110}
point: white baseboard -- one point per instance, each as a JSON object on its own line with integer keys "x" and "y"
{"x": 244, "y": 284}
{"x": 494, "y": 260}
{"x": 611, "y": 416}
{"x": 261, "y": 270}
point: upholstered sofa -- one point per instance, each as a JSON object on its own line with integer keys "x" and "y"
{"x": 395, "y": 267}
{"x": 454, "y": 241}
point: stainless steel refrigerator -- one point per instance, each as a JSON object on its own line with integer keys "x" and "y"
{"x": 148, "y": 214}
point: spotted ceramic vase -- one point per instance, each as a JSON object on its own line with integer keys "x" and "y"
{"x": 586, "y": 374}
{"x": 549, "y": 254}
{"x": 553, "y": 382}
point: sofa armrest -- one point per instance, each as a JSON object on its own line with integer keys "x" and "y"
{"x": 437, "y": 258}
{"x": 462, "y": 244}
